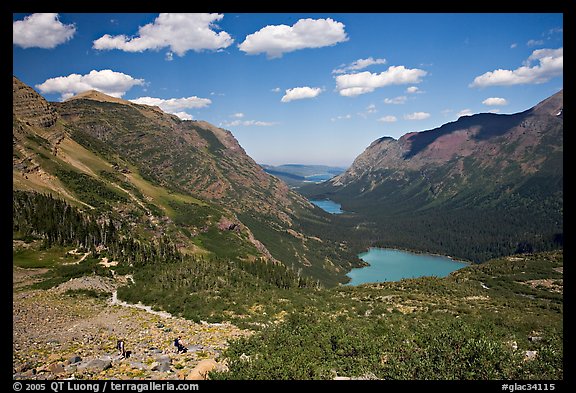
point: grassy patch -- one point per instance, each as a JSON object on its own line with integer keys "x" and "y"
{"x": 30, "y": 258}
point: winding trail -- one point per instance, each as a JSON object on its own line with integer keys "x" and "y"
{"x": 115, "y": 301}
{"x": 78, "y": 261}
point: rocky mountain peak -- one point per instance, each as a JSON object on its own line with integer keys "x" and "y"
{"x": 98, "y": 96}
{"x": 30, "y": 107}
{"x": 551, "y": 106}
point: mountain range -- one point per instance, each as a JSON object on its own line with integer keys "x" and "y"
{"x": 296, "y": 175}
{"x": 187, "y": 179}
{"x": 129, "y": 223}
{"x": 482, "y": 186}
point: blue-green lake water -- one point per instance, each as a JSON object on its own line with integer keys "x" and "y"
{"x": 329, "y": 206}
{"x": 393, "y": 265}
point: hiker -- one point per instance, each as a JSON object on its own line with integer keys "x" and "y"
{"x": 121, "y": 348}
{"x": 180, "y": 348}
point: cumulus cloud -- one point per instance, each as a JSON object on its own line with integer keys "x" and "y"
{"x": 175, "y": 106}
{"x": 180, "y": 32}
{"x": 388, "y": 119}
{"x": 359, "y": 64}
{"x": 300, "y": 93}
{"x": 417, "y": 116}
{"x": 275, "y": 90}
{"x": 275, "y": 40}
{"x": 464, "y": 112}
{"x": 413, "y": 90}
{"x": 366, "y": 82}
{"x": 396, "y": 100}
{"x": 494, "y": 101}
{"x": 237, "y": 115}
{"x": 184, "y": 115}
{"x": 550, "y": 63}
{"x": 113, "y": 83}
{"x": 41, "y": 31}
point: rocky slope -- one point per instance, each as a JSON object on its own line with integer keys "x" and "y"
{"x": 61, "y": 335}
{"x": 165, "y": 175}
{"x": 493, "y": 143}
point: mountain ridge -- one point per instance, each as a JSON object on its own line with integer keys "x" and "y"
{"x": 505, "y": 170}
{"x": 183, "y": 177}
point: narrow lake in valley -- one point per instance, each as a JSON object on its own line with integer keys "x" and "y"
{"x": 328, "y": 205}
{"x": 393, "y": 265}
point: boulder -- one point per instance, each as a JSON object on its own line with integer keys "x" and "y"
{"x": 96, "y": 365}
{"x": 200, "y": 372}
{"x": 530, "y": 355}
{"x": 56, "y": 368}
{"x": 162, "y": 363}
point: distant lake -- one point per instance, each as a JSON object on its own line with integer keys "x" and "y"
{"x": 319, "y": 178}
{"x": 329, "y": 206}
{"x": 393, "y": 265}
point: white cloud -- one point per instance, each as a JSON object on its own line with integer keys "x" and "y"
{"x": 306, "y": 33}
{"x": 366, "y": 82}
{"x": 535, "y": 42}
{"x": 464, "y": 112}
{"x": 238, "y": 115}
{"x": 369, "y": 110}
{"x": 413, "y": 90}
{"x": 550, "y": 64}
{"x": 513, "y": 45}
{"x": 359, "y": 64}
{"x": 299, "y": 93}
{"x": 275, "y": 90}
{"x": 388, "y": 119}
{"x": 247, "y": 123}
{"x": 493, "y": 101}
{"x": 175, "y": 106}
{"x": 342, "y": 117}
{"x": 180, "y": 32}
{"x": 396, "y": 100}
{"x": 41, "y": 31}
{"x": 115, "y": 84}
{"x": 183, "y": 115}
{"x": 417, "y": 116}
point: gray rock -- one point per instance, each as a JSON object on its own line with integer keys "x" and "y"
{"x": 530, "y": 355}
{"x": 138, "y": 365}
{"x": 96, "y": 365}
{"x": 162, "y": 363}
{"x": 195, "y": 348}
{"x": 162, "y": 367}
{"x": 74, "y": 359}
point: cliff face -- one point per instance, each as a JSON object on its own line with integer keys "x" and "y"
{"x": 30, "y": 107}
{"x": 189, "y": 156}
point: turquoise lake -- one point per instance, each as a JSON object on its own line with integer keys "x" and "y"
{"x": 329, "y": 206}
{"x": 393, "y": 265}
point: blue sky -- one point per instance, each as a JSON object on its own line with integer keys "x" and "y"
{"x": 299, "y": 88}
